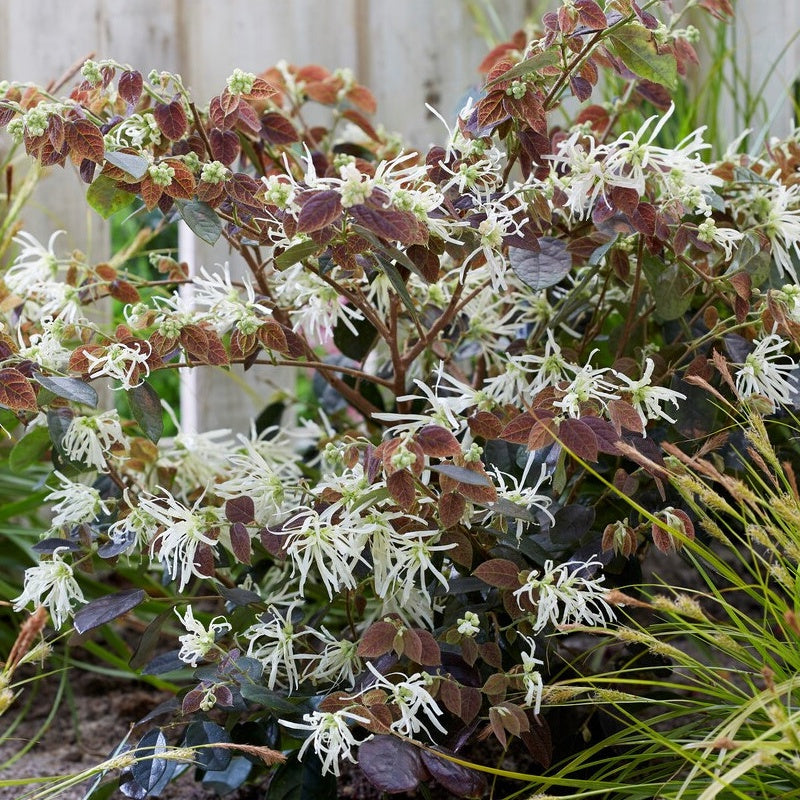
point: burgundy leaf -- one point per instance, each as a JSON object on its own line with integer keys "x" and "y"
{"x": 171, "y": 119}
{"x": 319, "y": 210}
{"x": 130, "y": 86}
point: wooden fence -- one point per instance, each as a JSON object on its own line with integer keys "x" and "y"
{"x": 408, "y": 52}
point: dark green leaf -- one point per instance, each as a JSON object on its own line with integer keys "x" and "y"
{"x": 399, "y": 285}
{"x": 230, "y": 778}
{"x": 636, "y": 47}
{"x": 751, "y": 258}
{"x": 462, "y": 475}
{"x": 599, "y": 253}
{"x": 545, "y": 59}
{"x": 105, "y": 198}
{"x": 208, "y": 758}
{"x": 146, "y": 409}
{"x": 670, "y": 285}
{"x": 133, "y": 165}
{"x": 355, "y": 345}
{"x": 201, "y": 219}
{"x": 29, "y": 449}
{"x": 149, "y": 768}
{"x": 272, "y": 701}
{"x": 69, "y": 388}
{"x": 302, "y": 780}
{"x": 58, "y": 420}
{"x": 150, "y": 638}
{"x": 544, "y": 268}
{"x": 297, "y": 252}
{"x": 106, "y": 608}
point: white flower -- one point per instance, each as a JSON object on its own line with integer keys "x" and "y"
{"x": 332, "y": 548}
{"x": 469, "y": 624}
{"x": 586, "y": 385}
{"x": 515, "y": 491}
{"x": 121, "y": 362}
{"x": 75, "y": 503}
{"x": 195, "y": 458}
{"x": 330, "y": 736}
{"x": 564, "y": 595}
{"x": 91, "y": 440}
{"x": 52, "y": 584}
{"x": 760, "y": 374}
{"x": 199, "y": 640}
{"x": 339, "y": 661}
{"x": 531, "y": 677}
{"x": 224, "y": 302}
{"x": 185, "y": 529}
{"x": 646, "y": 398}
{"x": 35, "y": 265}
{"x": 272, "y": 641}
{"x": 412, "y": 699}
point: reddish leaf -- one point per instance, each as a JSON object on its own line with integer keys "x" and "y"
{"x": 262, "y": 88}
{"x": 624, "y": 199}
{"x": 55, "y": 131}
{"x": 240, "y": 509}
{"x": 85, "y": 140}
{"x": 624, "y": 415}
{"x": 388, "y": 223}
{"x": 491, "y": 110}
{"x": 123, "y": 291}
{"x": 426, "y": 261}
{"x": 377, "y": 640}
{"x": 430, "y": 654}
{"x": 471, "y": 701}
{"x": 276, "y": 129}
{"x": 224, "y": 110}
{"x": 460, "y": 781}
{"x": 591, "y": 15}
{"x": 194, "y": 340}
{"x": 402, "y": 488}
{"x": 578, "y": 438}
{"x": 519, "y": 429}
{"x": 150, "y": 193}
{"x": 497, "y": 727}
{"x": 16, "y": 391}
{"x": 204, "y": 560}
{"x": 450, "y": 695}
{"x": 644, "y": 219}
{"x": 462, "y": 552}
{"x": 217, "y": 355}
{"x": 273, "y": 337}
{"x": 451, "y": 508}
{"x": 581, "y": 88}
{"x": 183, "y": 184}
{"x": 240, "y": 542}
{"x": 391, "y": 764}
{"x": 605, "y": 434}
{"x": 496, "y": 686}
{"x": 490, "y": 652}
{"x": 437, "y": 442}
{"x": 362, "y": 122}
{"x": 411, "y": 645}
{"x": 248, "y": 119}
{"x": 171, "y": 119}
{"x": 130, "y": 86}
{"x": 486, "y": 425}
{"x": 539, "y": 742}
{"x": 242, "y": 189}
{"x": 362, "y": 98}
{"x": 543, "y": 432}
{"x": 242, "y": 344}
{"x": 224, "y": 145}
{"x": 319, "y": 210}
{"x": 499, "y": 572}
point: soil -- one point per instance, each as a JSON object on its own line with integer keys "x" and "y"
{"x": 92, "y": 718}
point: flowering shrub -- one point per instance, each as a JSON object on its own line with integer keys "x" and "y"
{"x": 503, "y": 332}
